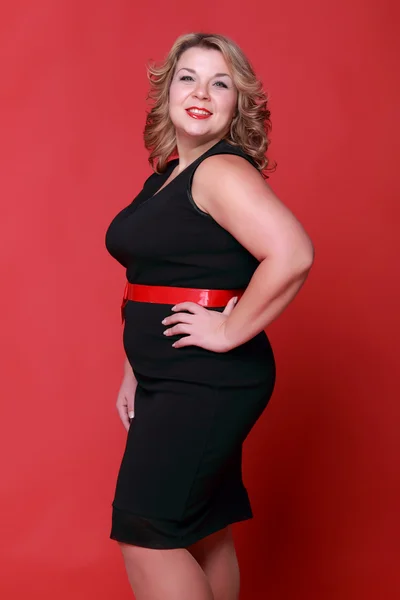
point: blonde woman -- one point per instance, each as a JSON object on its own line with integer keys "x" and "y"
{"x": 212, "y": 257}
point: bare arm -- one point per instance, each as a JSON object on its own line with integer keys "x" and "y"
{"x": 128, "y": 369}
{"x": 238, "y": 198}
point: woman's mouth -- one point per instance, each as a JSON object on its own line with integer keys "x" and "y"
{"x": 198, "y": 113}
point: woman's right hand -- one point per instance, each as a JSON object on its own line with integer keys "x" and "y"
{"x": 126, "y": 398}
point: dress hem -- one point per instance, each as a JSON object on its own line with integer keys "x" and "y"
{"x": 182, "y": 543}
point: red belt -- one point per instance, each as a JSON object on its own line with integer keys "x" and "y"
{"x": 159, "y": 294}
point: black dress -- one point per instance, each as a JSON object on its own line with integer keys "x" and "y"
{"x": 180, "y": 478}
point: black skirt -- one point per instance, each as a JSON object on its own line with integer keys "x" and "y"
{"x": 181, "y": 474}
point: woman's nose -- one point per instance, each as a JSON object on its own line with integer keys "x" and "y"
{"x": 201, "y": 92}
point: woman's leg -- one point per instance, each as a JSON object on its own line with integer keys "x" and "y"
{"x": 217, "y": 557}
{"x": 165, "y": 574}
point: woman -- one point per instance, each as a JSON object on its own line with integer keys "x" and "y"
{"x": 212, "y": 257}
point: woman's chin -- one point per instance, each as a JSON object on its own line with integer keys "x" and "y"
{"x": 199, "y": 131}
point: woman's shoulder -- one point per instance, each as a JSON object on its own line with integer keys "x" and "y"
{"x": 222, "y": 177}
{"x": 226, "y": 159}
{"x": 227, "y": 154}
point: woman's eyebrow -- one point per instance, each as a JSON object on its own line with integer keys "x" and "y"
{"x": 193, "y": 71}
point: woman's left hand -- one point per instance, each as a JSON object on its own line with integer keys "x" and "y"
{"x": 201, "y": 327}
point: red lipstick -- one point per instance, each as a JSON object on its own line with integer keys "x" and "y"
{"x": 198, "y": 113}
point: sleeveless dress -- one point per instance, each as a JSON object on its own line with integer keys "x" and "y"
{"x": 181, "y": 473}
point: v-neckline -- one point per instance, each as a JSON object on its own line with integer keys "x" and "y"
{"x": 164, "y": 185}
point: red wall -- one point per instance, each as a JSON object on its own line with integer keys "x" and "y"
{"x": 322, "y": 463}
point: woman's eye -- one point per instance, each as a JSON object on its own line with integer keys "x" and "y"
{"x": 190, "y": 78}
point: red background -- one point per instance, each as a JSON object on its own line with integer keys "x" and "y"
{"x": 322, "y": 464}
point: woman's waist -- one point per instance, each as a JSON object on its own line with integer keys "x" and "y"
{"x": 170, "y": 295}
{"x": 144, "y": 337}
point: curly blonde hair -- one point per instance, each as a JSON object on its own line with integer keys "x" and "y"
{"x": 250, "y": 126}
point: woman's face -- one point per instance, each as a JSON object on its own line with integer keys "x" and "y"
{"x": 202, "y": 96}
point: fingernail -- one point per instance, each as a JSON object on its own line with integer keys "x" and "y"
{"x": 235, "y": 300}
{"x": 131, "y": 414}
{"x": 164, "y": 321}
